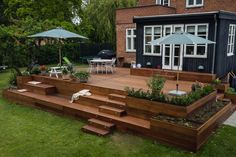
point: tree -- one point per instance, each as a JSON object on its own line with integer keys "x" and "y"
{"x": 3, "y": 19}
{"x": 98, "y": 19}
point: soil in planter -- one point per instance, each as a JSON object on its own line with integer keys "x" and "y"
{"x": 197, "y": 118}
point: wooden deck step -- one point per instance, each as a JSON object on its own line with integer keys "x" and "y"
{"x": 94, "y": 130}
{"x": 98, "y": 100}
{"x": 112, "y": 111}
{"x": 62, "y": 104}
{"x": 117, "y": 97}
{"x": 101, "y": 124}
{"x": 41, "y": 88}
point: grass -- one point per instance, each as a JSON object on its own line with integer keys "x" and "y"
{"x": 28, "y": 132}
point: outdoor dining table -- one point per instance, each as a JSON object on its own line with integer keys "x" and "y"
{"x": 100, "y": 62}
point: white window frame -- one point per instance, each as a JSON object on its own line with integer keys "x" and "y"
{"x": 161, "y": 2}
{"x": 194, "y": 4}
{"x": 195, "y": 55}
{"x": 231, "y": 40}
{"x": 152, "y": 38}
{"x": 133, "y": 38}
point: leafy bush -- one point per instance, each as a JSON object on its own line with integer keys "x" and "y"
{"x": 81, "y": 75}
{"x": 156, "y": 84}
{"x": 13, "y": 78}
{"x": 180, "y": 101}
{"x": 35, "y": 70}
{"x": 216, "y": 81}
{"x": 231, "y": 91}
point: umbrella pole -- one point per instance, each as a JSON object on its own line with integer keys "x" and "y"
{"x": 60, "y": 53}
{"x": 177, "y": 82}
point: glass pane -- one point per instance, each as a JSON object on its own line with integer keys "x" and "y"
{"x": 167, "y": 51}
{"x": 134, "y": 31}
{"x": 190, "y": 2}
{"x": 148, "y": 31}
{"x": 168, "y": 31}
{"x": 176, "y": 61}
{"x": 157, "y": 49}
{"x": 129, "y": 43}
{"x": 177, "y": 51}
{"x": 129, "y": 32}
{"x": 198, "y": 2}
{"x": 167, "y": 60}
{"x": 148, "y": 48}
{"x": 191, "y": 29}
{"x": 178, "y": 29}
{"x": 148, "y": 39}
{"x": 157, "y": 30}
{"x": 201, "y": 50}
{"x": 189, "y": 50}
{"x": 202, "y": 28}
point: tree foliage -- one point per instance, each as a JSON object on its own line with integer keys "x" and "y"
{"x": 98, "y": 19}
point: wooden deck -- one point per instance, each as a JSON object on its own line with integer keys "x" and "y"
{"x": 108, "y": 103}
{"x": 122, "y": 78}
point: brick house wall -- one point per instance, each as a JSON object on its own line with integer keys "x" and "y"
{"x": 124, "y": 18}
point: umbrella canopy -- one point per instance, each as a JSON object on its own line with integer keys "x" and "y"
{"x": 181, "y": 38}
{"x": 58, "y": 33}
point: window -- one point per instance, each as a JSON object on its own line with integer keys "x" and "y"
{"x": 130, "y": 40}
{"x": 194, "y": 3}
{"x": 163, "y": 2}
{"x": 152, "y": 33}
{"x": 231, "y": 40}
{"x": 198, "y": 51}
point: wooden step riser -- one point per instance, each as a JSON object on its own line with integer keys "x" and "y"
{"x": 115, "y": 98}
{"x": 94, "y": 132}
{"x": 118, "y": 114}
{"x": 101, "y": 126}
{"x": 42, "y": 91}
{"x": 94, "y": 102}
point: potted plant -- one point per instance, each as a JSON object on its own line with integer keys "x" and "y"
{"x": 65, "y": 74}
{"x": 82, "y": 76}
{"x": 219, "y": 86}
{"x": 43, "y": 69}
{"x": 35, "y": 70}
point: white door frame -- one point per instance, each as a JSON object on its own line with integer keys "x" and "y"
{"x": 164, "y": 57}
{"x": 171, "y": 65}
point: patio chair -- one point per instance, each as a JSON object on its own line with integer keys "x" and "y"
{"x": 91, "y": 65}
{"x": 67, "y": 61}
{"x": 109, "y": 66}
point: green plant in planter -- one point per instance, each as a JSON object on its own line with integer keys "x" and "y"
{"x": 65, "y": 71}
{"x": 216, "y": 81}
{"x": 13, "y": 78}
{"x": 35, "y": 71}
{"x": 231, "y": 91}
{"x": 82, "y": 76}
{"x": 196, "y": 86}
{"x": 156, "y": 84}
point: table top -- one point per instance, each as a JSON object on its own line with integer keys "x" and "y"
{"x": 58, "y": 67}
{"x": 101, "y": 60}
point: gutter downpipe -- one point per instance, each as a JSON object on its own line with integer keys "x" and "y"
{"x": 214, "y": 48}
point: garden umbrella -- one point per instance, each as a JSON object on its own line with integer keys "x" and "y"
{"x": 180, "y": 38}
{"x": 58, "y": 33}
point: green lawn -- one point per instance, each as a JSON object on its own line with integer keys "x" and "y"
{"x": 27, "y": 132}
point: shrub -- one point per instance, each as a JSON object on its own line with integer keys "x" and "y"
{"x": 35, "y": 70}
{"x": 231, "y": 91}
{"x": 81, "y": 75}
{"x": 13, "y": 78}
{"x": 156, "y": 84}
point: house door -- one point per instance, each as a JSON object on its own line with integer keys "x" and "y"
{"x": 172, "y": 54}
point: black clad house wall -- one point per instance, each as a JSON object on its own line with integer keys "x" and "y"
{"x": 189, "y": 64}
{"x": 224, "y": 63}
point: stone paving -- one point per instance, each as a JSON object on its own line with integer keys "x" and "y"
{"x": 232, "y": 120}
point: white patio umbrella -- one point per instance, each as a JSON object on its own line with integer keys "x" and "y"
{"x": 180, "y": 38}
{"x": 58, "y": 33}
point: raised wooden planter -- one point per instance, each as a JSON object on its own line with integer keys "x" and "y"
{"x": 188, "y": 138}
{"x": 222, "y": 88}
{"x": 183, "y": 75}
{"x": 146, "y": 108}
{"x": 232, "y": 97}
{"x": 21, "y": 80}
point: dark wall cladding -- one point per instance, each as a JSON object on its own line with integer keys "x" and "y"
{"x": 189, "y": 64}
{"x": 224, "y": 63}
